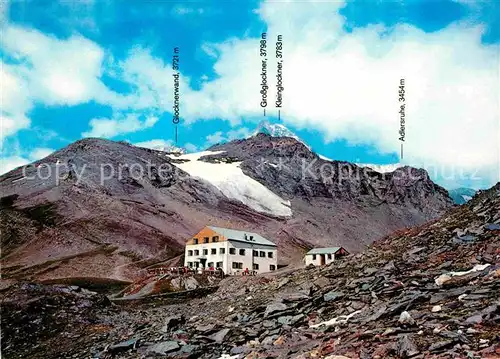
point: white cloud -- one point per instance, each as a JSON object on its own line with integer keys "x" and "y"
{"x": 156, "y": 144}
{"x": 342, "y": 83}
{"x": 11, "y": 124}
{"x": 14, "y": 88}
{"x": 54, "y": 72}
{"x": 184, "y": 10}
{"x": 241, "y": 132}
{"x": 152, "y": 79}
{"x": 83, "y": 14}
{"x": 9, "y": 163}
{"x": 57, "y": 71}
{"x": 105, "y": 127}
{"x": 40, "y": 152}
{"x": 215, "y": 137}
{"x": 45, "y": 69}
{"x": 14, "y": 103}
{"x": 4, "y": 11}
{"x": 153, "y": 82}
{"x": 219, "y": 136}
{"x": 161, "y": 144}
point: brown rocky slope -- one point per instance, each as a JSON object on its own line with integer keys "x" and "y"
{"x": 426, "y": 292}
{"x": 76, "y": 224}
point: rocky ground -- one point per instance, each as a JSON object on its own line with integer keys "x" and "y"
{"x": 428, "y": 292}
{"x": 114, "y": 209}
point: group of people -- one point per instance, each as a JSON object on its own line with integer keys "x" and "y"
{"x": 185, "y": 270}
{"x": 199, "y": 270}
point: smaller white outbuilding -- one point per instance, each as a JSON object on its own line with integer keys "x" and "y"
{"x": 322, "y": 256}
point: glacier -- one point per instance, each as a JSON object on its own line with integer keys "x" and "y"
{"x": 234, "y": 184}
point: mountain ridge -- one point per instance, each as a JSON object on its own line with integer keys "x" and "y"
{"x": 462, "y": 195}
{"x": 276, "y": 130}
{"x": 93, "y": 222}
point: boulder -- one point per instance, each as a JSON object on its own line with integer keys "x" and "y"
{"x": 164, "y": 347}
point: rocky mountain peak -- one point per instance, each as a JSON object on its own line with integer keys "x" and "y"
{"x": 462, "y": 195}
{"x": 127, "y": 204}
{"x": 291, "y": 169}
{"x": 265, "y": 145}
{"x": 274, "y": 130}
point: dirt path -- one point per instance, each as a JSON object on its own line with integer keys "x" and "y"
{"x": 144, "y": 291}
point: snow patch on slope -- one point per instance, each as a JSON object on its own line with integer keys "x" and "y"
{"x": 234, "y": 184}
{"x": 381, "y": 168}
{"x": 324, "y": 158}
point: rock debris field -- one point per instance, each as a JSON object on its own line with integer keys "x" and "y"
{"x": 426, "y": 292}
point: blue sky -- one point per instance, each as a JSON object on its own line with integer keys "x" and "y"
{"x": 72, "y": 69}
